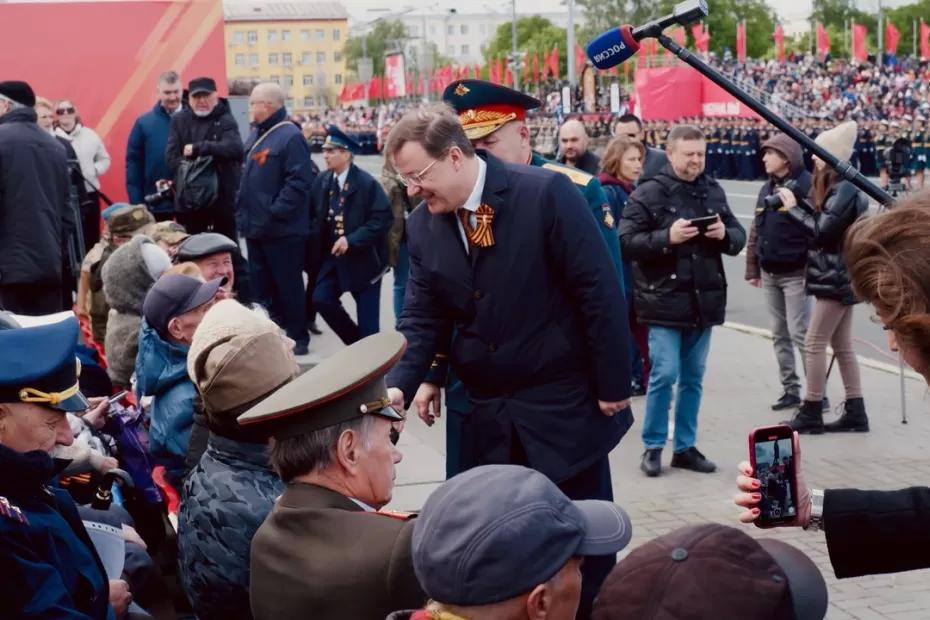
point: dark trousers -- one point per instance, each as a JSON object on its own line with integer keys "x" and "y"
{"x": 90, "y": 220}
{"x": 367, "y": 302}
{"x": 591, "y": 483}
{"x": 31, "y": 298}
{"x": 314, "y": 261}
{"x": 220, "y": 220}
{"x": 278, "y": 282}
{"x": 640, "y": 333}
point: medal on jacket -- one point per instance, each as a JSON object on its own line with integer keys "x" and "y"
{"x": 338, "y": 219}
{"x": 608, "y": 216}
{"x": 480, "y": 235}
{"x": 261, "y": 157}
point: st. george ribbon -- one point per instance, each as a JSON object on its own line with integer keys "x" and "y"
{"x": 617, "y": 45}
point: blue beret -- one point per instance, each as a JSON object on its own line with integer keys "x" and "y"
{"x": 38, "y": 365}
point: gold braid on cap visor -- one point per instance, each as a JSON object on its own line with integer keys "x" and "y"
{"x": 472, "y": 118}
{"x": 32, "y": 395}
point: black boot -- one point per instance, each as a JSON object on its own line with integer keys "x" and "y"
{"x": 652, "y": 462}
{"x": 695, "y": 461}
{"x": 808, "y": 419}
{"x": 853, "y": 420}
{"x": 787, "y": 401}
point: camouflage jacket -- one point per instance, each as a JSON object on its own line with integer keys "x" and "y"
{"x": 225, "y": 499}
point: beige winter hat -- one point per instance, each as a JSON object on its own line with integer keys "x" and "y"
{"x": 840, "y": 140}
{"x": 237, "y": 356}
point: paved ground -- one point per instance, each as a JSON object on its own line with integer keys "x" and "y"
{"x": 741, "y": 382}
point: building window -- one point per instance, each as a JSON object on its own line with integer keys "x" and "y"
{"x": 320, "y": 58}
{"x": 253, "y": 60}
{"x": 337, "y": 56}
{"x": 304, "y": 35}
{"x": 464, "y": 50}
{"x": 272, "y": 36}
{"x": 463, "y": 29}
{"x": 308, "y": 80}
{"x": 287, "y": 81}
{"x": 320, "y": 34}
{"x": 450, "y": 50}
{"x": 238, "y": 37}
{"x": 337, "y": 78}
{"x": 308, "y": 101}
{"x": 321, "y": 79}
{"x": 306, "y": 58}
{"x": 253, "y": 36}
{"x": 273, "y": 58}
{"x": 289, "y": 102}
{"x": 337, "y": 34}
{"x": 286, "y": 59}
{"x": 285, "y": 35}
{"x": 240, "y": 60}
{"x": 275, "y": 78}
{"x": 450, "y": 29}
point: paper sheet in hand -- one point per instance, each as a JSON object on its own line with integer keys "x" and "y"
{"x": 110, "y": 546}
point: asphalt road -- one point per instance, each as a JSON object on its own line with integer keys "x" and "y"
{"x": 745, "y": 305}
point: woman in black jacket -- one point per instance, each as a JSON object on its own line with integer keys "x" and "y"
{"x": 834, "y": 206}
{"x": 872, "y": 532}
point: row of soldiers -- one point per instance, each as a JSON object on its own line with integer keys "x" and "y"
{"x": 733, "y": 143}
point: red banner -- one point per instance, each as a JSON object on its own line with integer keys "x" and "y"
{"x": 859, "y": 35}
{"x": 823, "y": 40}
{"x": 669, "y": 93}
{"x": 580, "y": 58}
{"x": 779, "y": 36}
{"x": 394, "y": 84}
{"x": 701, "y": 38}
{"x": 111, "y": 83}
{"x": 892, "y": 38}
{"x": 553, "y": 63}
{"x": 924, "y": 39}
{"x": 741, "y": 41}
{"x": 536, "y": 67}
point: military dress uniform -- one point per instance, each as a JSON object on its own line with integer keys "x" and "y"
{"x": 353, "y": 206}
{"x": 48, "y": 563}
{"x": 320, "y": 554}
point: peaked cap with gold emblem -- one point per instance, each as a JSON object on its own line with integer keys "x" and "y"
{"x": 343, "y": 387}
{"x": 483, "y": 107}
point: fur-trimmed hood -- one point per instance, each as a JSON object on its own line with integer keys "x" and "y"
{"x": 126, "y": 277}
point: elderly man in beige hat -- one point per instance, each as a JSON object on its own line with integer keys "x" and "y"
{"x": 238, "y": 357}
{"x": 326, "y": 550}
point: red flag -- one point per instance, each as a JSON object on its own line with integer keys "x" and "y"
{"x": 823, "y": 40}
{"x": 500, "y": 71}
{"x": 892, "y": 37}
{"x": 508, "y": 77}
{"x": 859, "y": 35}
{"x": 553, "y": 63}
{"x": 374, "y": 88}
{"x": 779, "y": 37}
{"x": 678, "y": 34}
{"x": 580, "y": 58}
{"x": 701, "y": 38}
{"x": 741, "y": 41}
{"x": 536, "y": 67}
{"x": 924, "y": 39}
{"x": 527, "y": 69}
{"x": 477, "y": 69}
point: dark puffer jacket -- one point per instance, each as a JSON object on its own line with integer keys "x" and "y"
{"x": 682, "y": 285}
{"x": 827, "y": 276}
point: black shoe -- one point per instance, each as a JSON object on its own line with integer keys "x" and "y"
{"x": 787, "y": 401}
{"x": 826, "y": 404}
{"x": 638, "y": 389}
{"x": 301, "y": 348}
{"x": 808, "y": 419}
{"x": 695, "y": 461}
{"x": 853, "y": 420}
{"x": 314, "y": 329}
{"x": 652, "y": 462}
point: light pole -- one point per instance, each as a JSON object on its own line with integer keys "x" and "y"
{"x": 514, "y": 58}
{"x": 570, "y": 52}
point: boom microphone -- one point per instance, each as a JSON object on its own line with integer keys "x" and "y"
{"x": 616, "y": 45}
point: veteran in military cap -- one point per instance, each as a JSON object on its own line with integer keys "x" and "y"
{"x": 327, "y": 551}
{"x": 214, "y": 254}
{"x": 49, "y": 565}
{"x": 352, "y": 217}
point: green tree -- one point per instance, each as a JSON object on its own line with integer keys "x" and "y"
{"x": 383, "y": 36}
{"x": 904, "y": 18}
{"x": 534, "y": 35}
{"x": 836, "y": 16}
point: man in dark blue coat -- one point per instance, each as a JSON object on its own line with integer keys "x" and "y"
{"x": 49, "y": 566}
{"x": 145, "y": 152}
{"x": 272, "y": 213}
{"x": 509, "y": 257}
{"x": 353, "y": 217}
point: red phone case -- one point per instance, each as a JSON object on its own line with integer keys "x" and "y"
{"x": 780, "y": 431}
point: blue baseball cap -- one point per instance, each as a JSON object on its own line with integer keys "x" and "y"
{"x": 497, "y": 531}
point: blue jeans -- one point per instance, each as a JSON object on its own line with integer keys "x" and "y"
{"x": 677, "y": 356}
{"x": 401, "y": 273}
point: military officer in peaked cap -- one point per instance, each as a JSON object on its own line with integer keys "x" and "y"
{"x": 327, "y": 551}
{"x": 352, "y": 216}
{"x": 48, "y": 563}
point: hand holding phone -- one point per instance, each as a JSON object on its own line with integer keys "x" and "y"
{"x": 702, "y": 223}
{"x": 772, "y": 486}
{"x": 118, "y": 396}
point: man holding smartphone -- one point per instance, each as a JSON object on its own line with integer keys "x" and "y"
{"x": 675, "y": 227}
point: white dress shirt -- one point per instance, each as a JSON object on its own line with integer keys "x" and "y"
{"x": 473, "y": 202}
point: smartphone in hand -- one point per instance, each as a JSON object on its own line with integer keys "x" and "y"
{"x": 703, "y": 222}
{"x": 118, "y": 396}
{"x": 771, "y": 452}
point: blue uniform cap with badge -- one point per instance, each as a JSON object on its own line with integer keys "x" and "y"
{"x": 336, "y": 139}
{"x": 38, "y": 366}
{"x": 483, "y": 107}
{"x": 343, "y": 387}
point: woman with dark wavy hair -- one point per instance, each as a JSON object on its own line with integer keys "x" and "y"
{"x": 871, "y": 532}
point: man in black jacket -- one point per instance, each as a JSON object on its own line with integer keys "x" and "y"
{"x": 573, "y": 148}
{"x": 34, "y": 210}
{"x": 680, "y": 290}
{"x": 207, "y": 128}
{"x": 630, "y": 126}
{"x": 776, "y": 256}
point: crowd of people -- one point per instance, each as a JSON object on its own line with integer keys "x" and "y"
{"x": 534, "y": 296}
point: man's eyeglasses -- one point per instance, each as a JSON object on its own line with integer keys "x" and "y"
{"x": 62, "y": 111}
{"x": 417, "y": 177}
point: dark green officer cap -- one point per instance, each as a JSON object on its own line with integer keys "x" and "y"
{"x": 343, "y": 387}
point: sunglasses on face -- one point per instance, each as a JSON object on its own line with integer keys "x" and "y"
{"x": 62, "y": 111}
